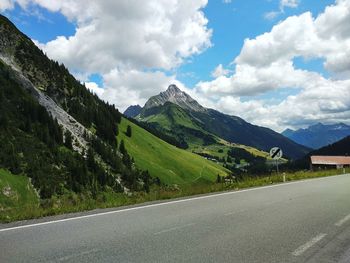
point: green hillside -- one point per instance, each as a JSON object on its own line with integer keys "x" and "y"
{"x": 169, "y": 115}
{"x": 16, "y": 192}
{"x": 171, "y": 164}
{"x": 172, "y": 120}
{"x": 204, "y": 127}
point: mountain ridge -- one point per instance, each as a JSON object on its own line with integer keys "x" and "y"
{"x": 318, "y": 135}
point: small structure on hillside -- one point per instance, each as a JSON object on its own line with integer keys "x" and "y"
{"x": 338, "y": 162}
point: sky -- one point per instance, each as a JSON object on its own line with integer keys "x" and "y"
{"x": 275, "y": 63}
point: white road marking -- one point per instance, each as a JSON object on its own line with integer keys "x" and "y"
{"x": 163, "y": 204}
{"x": 342, "y": 221}
{"x": 300, "y": 250}
{"x": 173, "y": 228}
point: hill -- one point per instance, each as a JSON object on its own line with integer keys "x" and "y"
{"x": 171, "y": 164}
{"x": 318, "y": 135}
{"x": 174, "y": 112}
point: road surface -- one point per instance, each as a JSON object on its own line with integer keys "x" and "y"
{"x": 305, "y": 221}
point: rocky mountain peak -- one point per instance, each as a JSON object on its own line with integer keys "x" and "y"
{"x": 173, "y": 90}
{"x": 175, "y": 95}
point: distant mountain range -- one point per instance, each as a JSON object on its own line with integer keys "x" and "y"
{"x": 318, "y": 135}
{"x": 177, "y": 114}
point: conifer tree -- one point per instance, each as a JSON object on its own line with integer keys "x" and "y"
{"x": 122, "y": 148}
{"x": 68, "y": 141}
{"x": 128, "y": 131}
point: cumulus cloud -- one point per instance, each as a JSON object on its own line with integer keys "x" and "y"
{"x": 265, "y": 64}
{"x": 6, "y": 4}
{"x": 128, "y": 34}
{"x": 133, "y": 87}
{"x": 128, "y": 42}
{"x": 220, "y": 71}
{"x": 94, "y": 88}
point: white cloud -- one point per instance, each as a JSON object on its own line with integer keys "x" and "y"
{"x": 289, "y": 3}
{"x": 271, "y": 15}
{"x": 6, "y": 4}
{"x": 227, "y": 1}
{"x": 129, "y": 34}
{"x": 94, "y": 88}
{"x": 282, "y": 5}
{"x": 128, "y": 42}
{"x": 265, "y": 64}
{"x": 131, "y": 87}
{"x": 219, "y": 71}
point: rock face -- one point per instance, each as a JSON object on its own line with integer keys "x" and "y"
{"x": 77, "y": 130}
{"x": 175, "y": 95}
{"x": 318, "y": 135}
{"x": 132, "y": 111}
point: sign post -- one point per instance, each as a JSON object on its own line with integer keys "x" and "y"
{"x": 276, "y": 154}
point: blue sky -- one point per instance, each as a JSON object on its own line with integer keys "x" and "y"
{"x": 213, "y": 34}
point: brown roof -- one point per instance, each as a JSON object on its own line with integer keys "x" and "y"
{"x": 331, "y": 160}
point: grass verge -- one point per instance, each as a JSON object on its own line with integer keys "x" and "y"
{"x": 72, "y": 202}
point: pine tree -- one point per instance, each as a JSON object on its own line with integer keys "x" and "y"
{"x": 128, "y": 131}
{"x": 122, "y": 148}
{"x": 68, "y": 141}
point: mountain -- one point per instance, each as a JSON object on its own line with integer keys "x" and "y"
{"x": 132, "y": 111}
{"x": 318, "y": 135}
{"x": 177, "y": 114}
{"x": 56, "y": 132}
{"x": 175, "y": 95}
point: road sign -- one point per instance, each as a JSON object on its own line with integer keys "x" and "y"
{"x": 276, "y": 153}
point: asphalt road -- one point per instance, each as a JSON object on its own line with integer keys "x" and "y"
{"x": 305, "y": 221}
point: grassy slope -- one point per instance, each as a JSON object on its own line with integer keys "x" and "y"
{"x": 172, "y": 165}
{"x": 171, "y": 115}
{"x": 16, "y": 193}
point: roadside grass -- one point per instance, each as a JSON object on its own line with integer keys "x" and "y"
{"x": 29, "y": 207}
{"x": 16, "y": 194}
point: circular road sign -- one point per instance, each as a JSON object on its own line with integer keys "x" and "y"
{"x": 276, "y": 153}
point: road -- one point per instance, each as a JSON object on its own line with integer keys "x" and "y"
{"x": 305, "y": 221}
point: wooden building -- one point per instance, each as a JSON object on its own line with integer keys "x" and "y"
{"x": 335, "y": 161}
